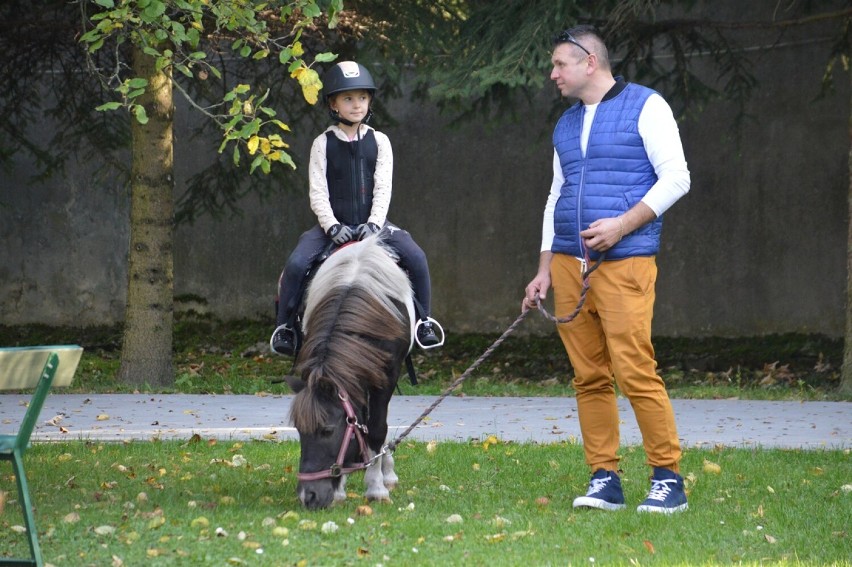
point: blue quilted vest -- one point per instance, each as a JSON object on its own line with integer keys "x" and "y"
{"x": 613, "y": 176}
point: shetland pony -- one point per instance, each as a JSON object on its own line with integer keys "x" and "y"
{"x": 358, "y": 329}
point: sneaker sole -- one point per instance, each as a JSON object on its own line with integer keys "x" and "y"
{"x": 586, "y": 502}
{"x": 662, "y": 510}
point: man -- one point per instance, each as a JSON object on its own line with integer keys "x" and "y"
{"x": 618, "y": 165}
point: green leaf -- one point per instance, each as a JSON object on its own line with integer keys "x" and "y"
{"x": 257, "y": 161}
{"x": 325, "y": 57}
{"x": 141, "y": 115}
{"x": 96, "y": 45}
{"x": 236, "y": 155}
{"x": 109, "y": 106}
{"x": 285, "y": 55}
{"x": 105, "y": 3}
{"x": 245, "y": 51}
{"x": 137, "y": 83}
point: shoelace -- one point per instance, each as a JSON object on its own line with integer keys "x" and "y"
{"x": 597, "y": 485}
{"x": 660, "y": 489}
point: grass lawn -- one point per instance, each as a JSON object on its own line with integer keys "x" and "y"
{"x": 203, "y": 502}
{"x": 208, "y": 502}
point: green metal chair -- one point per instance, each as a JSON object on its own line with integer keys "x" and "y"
{"x": 14, "y": 364}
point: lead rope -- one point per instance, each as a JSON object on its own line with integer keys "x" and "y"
{"x": 391, "y": 447}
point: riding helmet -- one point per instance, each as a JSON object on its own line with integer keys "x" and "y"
{"x": 347, "y": 76}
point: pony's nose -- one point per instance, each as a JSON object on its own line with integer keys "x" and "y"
{"x": 310, "y": 498}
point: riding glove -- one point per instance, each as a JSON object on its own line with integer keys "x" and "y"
{"x": 362, "y": 231}
{"x": 340, "y": 234}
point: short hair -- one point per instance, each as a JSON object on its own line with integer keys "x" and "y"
{"x": 592, "y": 42}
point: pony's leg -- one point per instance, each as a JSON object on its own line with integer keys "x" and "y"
{"x": 374, "y": 480}
{"x": 390, "y": 478}
{"x": 340, "y": 492}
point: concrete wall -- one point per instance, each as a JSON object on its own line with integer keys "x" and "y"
{"x": 758, "y": 246}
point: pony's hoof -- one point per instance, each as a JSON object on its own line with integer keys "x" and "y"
{"x": 379, "y": 496}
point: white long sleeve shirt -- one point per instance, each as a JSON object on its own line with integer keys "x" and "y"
{"x": 661, "y": 138}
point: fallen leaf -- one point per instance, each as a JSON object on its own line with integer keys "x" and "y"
{"x": 454, "y": 519}
{"x": 770, "y": 539}
{"x": 200, "y": 522}
{"x": 102, "y": 417}
{"x": 649, "y": 546}
{"x": 329, "y": 528}
{"x": 712, "y": 468}
{"x": 104, "y": 530}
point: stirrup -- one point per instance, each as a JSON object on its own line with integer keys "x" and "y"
{"x": 436, "y": 326}
{"x": 288, "y": 329}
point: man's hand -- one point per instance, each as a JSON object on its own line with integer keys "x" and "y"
{"x": 603, "y": 234}
{"x": 340, "y": 234}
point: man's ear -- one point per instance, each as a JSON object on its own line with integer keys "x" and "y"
{"x": 296, "y": 384}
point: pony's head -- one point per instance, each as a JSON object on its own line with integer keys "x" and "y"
{"x": 328, "y": 448}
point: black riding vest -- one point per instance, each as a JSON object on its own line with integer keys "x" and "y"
{"x": 350, "y": 167}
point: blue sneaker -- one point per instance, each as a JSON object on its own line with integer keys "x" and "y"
{"x": 667, "y": 495}
{"x": 604, "y": 492}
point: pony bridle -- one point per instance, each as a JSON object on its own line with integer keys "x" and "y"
{"x": 353, "y": 429}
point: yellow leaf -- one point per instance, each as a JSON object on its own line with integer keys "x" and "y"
{"x": 252, "y": 144}
{"x": 102, "y": 417}
{"x": 200, "y": 521}
{"x": 297, "y": 49}
{"x": 156, "y": 522}
{"x": 310, "y": 82}
{"x": 711, "y": 467}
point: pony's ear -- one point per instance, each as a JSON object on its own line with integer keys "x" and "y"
{"x": 296, "y": 384}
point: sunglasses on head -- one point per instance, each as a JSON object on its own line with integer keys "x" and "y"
{"x": 566, "y": 37}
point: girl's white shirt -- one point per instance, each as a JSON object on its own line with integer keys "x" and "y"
{"x": 661, "y": 138}
{"x": 382, "y": 180}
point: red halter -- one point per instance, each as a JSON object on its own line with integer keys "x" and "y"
{"x": 353, "y": 429}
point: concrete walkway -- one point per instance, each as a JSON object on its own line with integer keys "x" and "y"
{"x": 701, "y": 423}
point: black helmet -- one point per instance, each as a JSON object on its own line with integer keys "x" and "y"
{"x": 347, "y": 76}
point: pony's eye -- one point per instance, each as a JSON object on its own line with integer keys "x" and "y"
{"x": 327, "y": 430}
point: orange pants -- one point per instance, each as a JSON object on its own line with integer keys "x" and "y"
{"x": 611, "y": 337}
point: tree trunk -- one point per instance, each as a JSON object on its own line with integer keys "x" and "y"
{"x": 846, "y": 372}
{"x": 146, "y": 357}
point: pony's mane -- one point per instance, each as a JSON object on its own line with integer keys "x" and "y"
{"x": 356, "y": 312}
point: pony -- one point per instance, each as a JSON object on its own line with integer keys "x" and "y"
{"x": 359, "y": 313}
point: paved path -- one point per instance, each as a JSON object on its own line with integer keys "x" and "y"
{"x": 701, "y": 423}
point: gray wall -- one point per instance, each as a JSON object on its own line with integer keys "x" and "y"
{"x": 757, "y": 246}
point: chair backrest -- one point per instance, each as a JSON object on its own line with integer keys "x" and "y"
{"x": 19, "y": 366}
{"x": 37, "y": 401}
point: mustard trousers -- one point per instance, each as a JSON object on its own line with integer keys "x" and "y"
{"x": 609, "y": 342}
